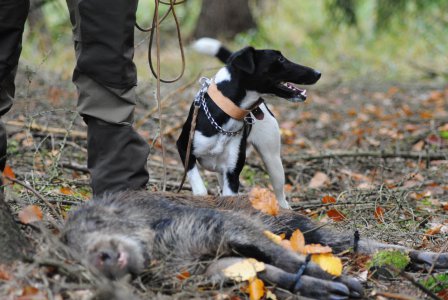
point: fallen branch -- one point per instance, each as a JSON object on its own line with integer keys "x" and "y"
{"x": 38, "y": 195}
{"x": 54, "y": 130}
{"x": 375, "y": 154}
{"x": 391, "y": 295}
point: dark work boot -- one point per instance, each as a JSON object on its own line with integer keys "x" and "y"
{"x": 117, "y": 157}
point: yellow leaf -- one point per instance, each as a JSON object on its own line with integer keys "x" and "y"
{"x": 270, "y": 295}
{"x": 29, "y": 214}
{"x": 244, "y": 269}
{"x": 297, "y": 241}
{"x": 256, "y": 289}
{"x": 316, "y": 249}
{"x": 264, "y": 200}
{"x": 66, "y": 191}
{"x": 328, "y": 263}
{"x": 273, "y": 237}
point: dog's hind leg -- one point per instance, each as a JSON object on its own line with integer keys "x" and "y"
{"x": 265, "y": 137}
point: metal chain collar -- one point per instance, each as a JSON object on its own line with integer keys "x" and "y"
{"x": 199, "y": 100}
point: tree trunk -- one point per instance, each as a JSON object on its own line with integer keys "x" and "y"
{"x": 13, "y": 245}
{"x": 223, "y": 18}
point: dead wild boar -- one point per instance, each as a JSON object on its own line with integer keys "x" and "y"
{"x": 124, "y": 232}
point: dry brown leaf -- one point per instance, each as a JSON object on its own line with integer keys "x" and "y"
{"x": 66, "y": 191}
{"x": 183, "y": 275}
{"x": 286, "y": 244}
{"x": 379, "y": 214}
{"x": 8, "y": 173}
{"x": 264, "y": 200}
{"x": 319, "y": 180}
{"x": 4, "y": 273}
{"x": 335, "y": 215}
{"x": 434, "y": 230}
{"x": 316, "y": 249}
{"x": 244, "y": 269}
{"x": 31, "y": 213}
{"x": 273, "y": 237}
{"x": 297, "y": 241}
{"x": 329, "y": 263}
{"x": 255, "y": 289}
{"x": 328, "y": 199}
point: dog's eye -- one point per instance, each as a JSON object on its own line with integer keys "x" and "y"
{"x": 281, "y": 59}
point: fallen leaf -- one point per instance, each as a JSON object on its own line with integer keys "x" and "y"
{"x": 379, "y": 214}
{"x": 297, "y": 241}
{"x": 319, "y": 179}
{"x": 270, "y": 295}
{"x": 244, "y": 269}
{"x": 443, "y": 294}
{"x": 4, "y": 273}
{"x": 183, "y": 275}
{"x": 328, "y": 199}
{"x": 335, "y": 215}
{"x": 264, "y": 200}
{"x": 316, "y": 249}
{"x": 273, "y": 237}
{"x": 66, "y": 191}
{"x": 286, "y": 244}
{"x": 8, "y": 173}
{"x": 256, "y": 289}
{"x": 31, "y": 213}
{"x": 329, "y": 263}
{"x": 434, "y": 230}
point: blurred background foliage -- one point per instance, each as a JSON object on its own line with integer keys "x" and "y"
{"x": 346, "y": 39}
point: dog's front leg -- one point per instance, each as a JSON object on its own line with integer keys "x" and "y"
{"x": 235, "y": 160}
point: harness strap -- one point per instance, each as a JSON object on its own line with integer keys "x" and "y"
{"x": 225, "y": 104}
{"x": 190, "y": 141}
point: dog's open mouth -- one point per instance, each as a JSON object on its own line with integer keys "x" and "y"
{"x": 297, "y": 95}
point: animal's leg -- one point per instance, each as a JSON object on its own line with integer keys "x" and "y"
{"x": 287, "y": 222}
{"x": 247, "y": 240}
{"x": 265, "y": 137}
{"x": 306, "y": 285}
{"x": 231, "y": 182}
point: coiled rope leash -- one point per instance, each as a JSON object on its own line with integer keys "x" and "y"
{"x": 156, "y": 25}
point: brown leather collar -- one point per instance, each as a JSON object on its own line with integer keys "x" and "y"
{"x": 226, "y": 104}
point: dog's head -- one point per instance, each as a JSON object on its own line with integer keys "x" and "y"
{"x": 269, "y": 72}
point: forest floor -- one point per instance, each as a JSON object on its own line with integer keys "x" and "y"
{"x": 380, "y": 149}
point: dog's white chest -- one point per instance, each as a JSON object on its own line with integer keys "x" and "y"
{"x": 218, "y": 153}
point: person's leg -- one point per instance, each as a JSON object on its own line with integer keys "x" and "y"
{"x": 13, "y": 14}
{"x": 105, "y": 77}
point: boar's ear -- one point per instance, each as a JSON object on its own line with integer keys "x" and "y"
{"x": 244, "y": 60}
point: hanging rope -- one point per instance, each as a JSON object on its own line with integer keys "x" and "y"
{"x": 155, "y": 28}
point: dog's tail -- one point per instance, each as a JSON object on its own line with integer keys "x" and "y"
{"x": 212, "y": 47}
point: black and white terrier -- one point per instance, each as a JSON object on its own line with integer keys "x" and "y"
{"x": 234, "y": 97}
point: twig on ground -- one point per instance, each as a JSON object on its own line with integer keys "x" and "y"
{"x": 38, "y": 195}
{"x": 375, "y": 154}
{"x": 392, "y": 295}
{"x": 36, "y": 127}
{"x": 409, "y": 278}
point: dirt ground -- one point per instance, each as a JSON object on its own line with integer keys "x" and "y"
{"x": 380, "y": 149}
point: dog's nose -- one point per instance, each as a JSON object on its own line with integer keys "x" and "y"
{"x": 317, "y": 74}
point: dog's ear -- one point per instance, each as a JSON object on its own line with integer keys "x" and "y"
{"x": 244, "y": 60}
